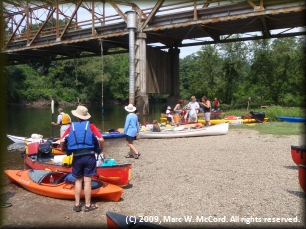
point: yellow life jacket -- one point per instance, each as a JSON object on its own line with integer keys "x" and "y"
{"x": 67, "y": 160}
{"x": 65, "y": 119}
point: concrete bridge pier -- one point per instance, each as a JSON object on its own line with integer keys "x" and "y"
{"x": 141, "y": 98}
{"x": 175, "y": 76}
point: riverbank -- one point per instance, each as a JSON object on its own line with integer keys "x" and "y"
{"x": 42, "y": 103}
{"x": 45, "y": 103}
{"x": 242, "y": 176}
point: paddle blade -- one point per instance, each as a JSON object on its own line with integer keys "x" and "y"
{"x": 52, "y": 106}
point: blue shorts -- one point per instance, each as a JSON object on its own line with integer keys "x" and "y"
{"x": 129, "y": 138}
{"x": 84, "y": 165}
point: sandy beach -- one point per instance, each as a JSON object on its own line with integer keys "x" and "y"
{"x": 241, "y": 179}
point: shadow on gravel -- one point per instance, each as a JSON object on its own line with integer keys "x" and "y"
{"x": 128, "y": 186}
{"x": 298, "y": 194}
{"x": 291, "y": 167}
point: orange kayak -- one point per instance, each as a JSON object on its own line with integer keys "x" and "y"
{"x": 119, "y": 174}
{"x": 38, "y": 181}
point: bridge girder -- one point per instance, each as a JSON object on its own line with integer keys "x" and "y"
{"x": 32, "y": 27}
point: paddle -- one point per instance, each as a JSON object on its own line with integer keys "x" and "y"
{"x": 52, "y": 111}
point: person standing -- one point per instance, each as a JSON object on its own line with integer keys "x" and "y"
{"x": 216, "y": 104}
{"x": 207, "y": 109}
{"x": 79, "y": 139}
{"x": 63, "y": 120}
{"x": 193, "y": 108}
{"x": 131, "y": 130}
{"x": 178, "y": 112}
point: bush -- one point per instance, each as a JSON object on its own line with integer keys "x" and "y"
{"x": 270, "y": 112}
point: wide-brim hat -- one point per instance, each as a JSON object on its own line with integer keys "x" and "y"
{"x": 81, "y": 112}
{"x": 168, "y": 108}
{"x": 130, "y": 108}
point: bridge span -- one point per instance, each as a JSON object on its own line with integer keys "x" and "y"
{"x": 55, "y": 30}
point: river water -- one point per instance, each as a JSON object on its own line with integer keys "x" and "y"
{"x": 26, "y": 121}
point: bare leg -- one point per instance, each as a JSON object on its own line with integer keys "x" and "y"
{"x": 78, "y": 190}
{"x": 132, "y": 147}
{"x": 87, "y": 190}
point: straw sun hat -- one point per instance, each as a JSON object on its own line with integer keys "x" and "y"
{"x": 130, "y": 108}
{"x": 81, "y": 112}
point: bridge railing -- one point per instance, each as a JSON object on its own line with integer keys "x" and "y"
{"x": 25, "y": 22}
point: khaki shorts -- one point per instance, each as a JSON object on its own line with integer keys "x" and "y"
{"x": 207, "y": 116}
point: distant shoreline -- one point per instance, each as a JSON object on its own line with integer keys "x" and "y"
{"x": 48, "y": 104}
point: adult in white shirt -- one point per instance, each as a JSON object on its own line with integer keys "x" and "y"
{"x": 193, "y": 108}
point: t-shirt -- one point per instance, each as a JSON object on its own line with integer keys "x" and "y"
{"x": 192, "y": 106}
{"x": 93, "y": 129}
{"x": 168, "y": 113}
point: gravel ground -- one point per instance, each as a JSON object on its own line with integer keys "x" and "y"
{"x": 241, "y": 176}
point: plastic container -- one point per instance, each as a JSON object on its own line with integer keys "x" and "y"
{"x": 100, "y": 160}
{"x": 109, "y": 162}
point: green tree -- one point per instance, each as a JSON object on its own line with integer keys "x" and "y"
{"x": 234, "y": 57}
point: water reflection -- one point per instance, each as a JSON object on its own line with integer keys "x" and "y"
{"x": 16, "y": 146}
{"x": 24, "y": 121}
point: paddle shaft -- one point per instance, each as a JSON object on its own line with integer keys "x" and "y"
{"x": 52, "y": 111}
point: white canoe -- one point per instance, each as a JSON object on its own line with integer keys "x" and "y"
{"x": 18, "y": 139}
{"x": 33, "y": 138}
{"x": 217, "y": 129}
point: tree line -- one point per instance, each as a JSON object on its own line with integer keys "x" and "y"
{"x": 268, "y": 71}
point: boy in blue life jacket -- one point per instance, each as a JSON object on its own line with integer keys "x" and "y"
{"x": 79, "y": 139}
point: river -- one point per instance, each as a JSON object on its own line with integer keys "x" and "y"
{"x": 24, "y": 121}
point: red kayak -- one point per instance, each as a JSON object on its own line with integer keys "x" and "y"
{"x": 119, "y": 174}
{"x": 302, "y": 176}
{"x": 298, "y": 154}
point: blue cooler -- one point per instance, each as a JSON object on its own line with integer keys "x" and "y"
{"x": 109, "y": 162}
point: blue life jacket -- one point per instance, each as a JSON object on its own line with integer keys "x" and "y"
{"x": 81, "y": 137}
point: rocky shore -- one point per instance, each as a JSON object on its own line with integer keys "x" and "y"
{"x": 241, "y": 179}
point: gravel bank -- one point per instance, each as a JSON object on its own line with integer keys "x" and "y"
{"x": 238, "y": 175}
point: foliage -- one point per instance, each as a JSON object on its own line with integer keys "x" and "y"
{"x": 268, "y": 71}
{"x": 270, "y": 112}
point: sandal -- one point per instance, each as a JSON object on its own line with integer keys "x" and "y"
{"x": 129, "y": 156}
{"x": 137, "y": 155}
{"x": 5, "y": 205}
{"x": 90, "y": 208}
{"x": 77, "y": 208}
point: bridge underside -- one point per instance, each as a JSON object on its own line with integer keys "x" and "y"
{"x": 187, "y": 28}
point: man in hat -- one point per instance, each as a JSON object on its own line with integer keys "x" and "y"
{"x": 131, "y": 129}
{"x": 63, "y": 120}
{"x": 79, "y": 139}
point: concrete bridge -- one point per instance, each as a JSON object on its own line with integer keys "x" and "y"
{"x": 57, "y": 30}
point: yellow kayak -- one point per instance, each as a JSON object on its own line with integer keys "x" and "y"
{"x": 218, "y": 121}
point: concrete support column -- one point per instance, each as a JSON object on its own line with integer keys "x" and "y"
{"x": 141, "y": 98}
{"x": 175, "y": 76}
